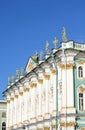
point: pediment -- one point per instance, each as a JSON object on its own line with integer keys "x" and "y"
{"x": 31, "y": 64}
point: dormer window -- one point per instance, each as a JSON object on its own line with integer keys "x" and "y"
{"x": 80, "y": 72}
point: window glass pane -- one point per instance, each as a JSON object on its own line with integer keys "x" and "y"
{"x": 80, "y": 101}
{"x": 80, "y": 71}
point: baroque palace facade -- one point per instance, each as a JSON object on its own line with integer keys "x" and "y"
{"x": 51, "y": 95}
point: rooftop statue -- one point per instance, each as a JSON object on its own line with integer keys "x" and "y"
{"x": 41, "y": 55}
{"x": 47, "y": 48}
{"x": 12, "y": 78}
{"x": 55, "y": 42}
{"x": 22, "y": 71}
{"x": 9, "y": 81}
{"x": 64, "y": 38}
{"x": 17, "y": 74}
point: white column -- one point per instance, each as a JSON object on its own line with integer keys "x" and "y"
{"x": 33, "y": 88}
{"x": 40, "y": 82}
{"x": 15, "y": 112}
{"x": 54, "y": 83}
{"x": 8, "y": 114}
{"x": 11, "y": 111}
{"x": 70, "y": 88}
{"x": 64, "y": 88}
{"x": 47, "y": 84}
{"x": 20, "y": 108}
{"x": 26, "y": 90}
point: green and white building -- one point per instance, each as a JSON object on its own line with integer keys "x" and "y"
{"x": 51, "y": 95}
{"x": 3, "y": 115}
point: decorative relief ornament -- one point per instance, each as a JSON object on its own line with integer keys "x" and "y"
{"x": 64, "y": 38}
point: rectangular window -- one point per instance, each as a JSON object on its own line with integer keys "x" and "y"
{"x": 81, "y": 101}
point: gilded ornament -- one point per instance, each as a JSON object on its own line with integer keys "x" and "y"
{"x": 33, "y": 85}
{"x": 33, "y": 118}
{"x": 46, "y": 128}
{"x": 81, "y": 62}
{"x": 47, "y": 77}
{"x": 30, "y": 67}
{"x": 82, "y": 128}
{"x": 68, "y": 107}
{"x": 8, "y": 101}
{"x": 40, "y": 81}
{"x": 67, "y": 124}
{"x": 66, "y": 66}
{"x": 81, "y": 89}
{"x": 26, "y": 89}
{"x": 16, "y": 96}
{"x": 47, "y": 114}
{"x": 21, "y": 93}
{"x": 53, "y": 126}
{"x": 54, "y": 71}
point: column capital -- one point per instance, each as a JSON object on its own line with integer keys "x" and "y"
{"x": 47, "y": 76}
{"x": 53, "y": 71}
{"x": 66, "y": 66}
{"x": 26, "y": 89}
{"x": 40, "y": 81}
{"x": 67, "y": 124}
{"x": 33, "y": 85}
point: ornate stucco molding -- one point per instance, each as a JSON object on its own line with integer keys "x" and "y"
{"x": 66, "y": 66}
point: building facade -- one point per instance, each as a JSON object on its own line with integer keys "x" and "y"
{"x": 51, "y": 95}
{"x": 2, "y": 115}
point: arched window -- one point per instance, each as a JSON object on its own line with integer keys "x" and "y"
{"x": 81, "y": 102}
{"x": 3, "y": 126}
{"x": 80, "y": 71}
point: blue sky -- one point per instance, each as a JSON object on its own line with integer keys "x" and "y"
{"x": 25, "y": 25}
